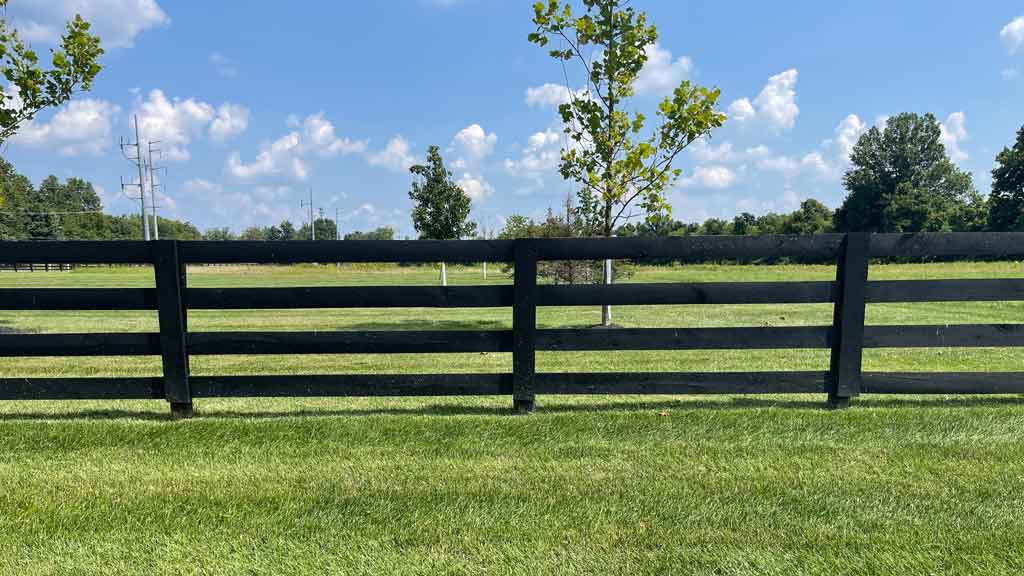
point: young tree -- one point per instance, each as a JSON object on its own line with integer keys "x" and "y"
{"x": 442, "y": 208}
{"x": 1006, "y": 201}
{"x": 30, "y": 88}
{"x": 902, "y": 180}
{"x": 615, "y": 161}
{"x": 812, "y": 217}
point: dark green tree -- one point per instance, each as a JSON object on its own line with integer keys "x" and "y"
{"x": 812, "y": 217}
{"x": 219, "y": 234}
{"x": 901, "y": 180}
{"x": 1006, "y": 201}
{"x": 382, "y": 233}
{"x": 30, "y": 88}
{"x": 441, "y": 208}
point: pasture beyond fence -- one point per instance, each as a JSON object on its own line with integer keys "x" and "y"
{"x": 847, "y": 336}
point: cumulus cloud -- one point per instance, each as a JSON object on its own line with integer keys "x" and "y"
{"x": 812, "y": 163}
{"x": 475, "y": 187}
{"x": 173, "y": 122}
{"x": 1012, "y": 35}
{"x": 775, "y": 104}
{"x": 286, "y": 156}
{"x": 714, "y": 176}
{"x": 547, "y": 95}
{"x": 281, "y": 157}
{"x": 231, "y": 120}
{"x": 320, "y": 137}
{"x": 954, "y": 133}
{"x": 848, "y": 132}
{"x": 541, "y": 154}
{"x": 742, "y": 110}
{"x": 80, "y": 127}
{"x": 661, "y": 74}
{"x": 396, "y": 155}
{"x": 117, "y": 22}
{"x": 474, "y": 143}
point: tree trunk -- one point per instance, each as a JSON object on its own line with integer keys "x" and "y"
{"x": 444, "y": 274}
{"x": 606, "y": 309}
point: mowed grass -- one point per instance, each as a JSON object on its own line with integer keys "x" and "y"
{"x": 606, "y": 485}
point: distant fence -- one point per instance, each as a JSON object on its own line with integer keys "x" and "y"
{"x": 847, "y": 336}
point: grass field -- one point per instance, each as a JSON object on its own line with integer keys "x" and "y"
{"x": 624, "y": 485}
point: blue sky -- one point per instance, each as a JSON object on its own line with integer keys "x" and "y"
{"x": 255, "y": 102}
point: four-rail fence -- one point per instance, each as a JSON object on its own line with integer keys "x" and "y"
{"x": 846, "y": 337}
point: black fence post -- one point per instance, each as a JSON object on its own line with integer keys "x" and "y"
{"x": 848, "y": 319}
{"x": 170, "y": 285}
{"x": 524, "y": 327}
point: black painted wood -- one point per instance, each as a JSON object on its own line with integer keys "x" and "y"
{"x": 950, "y": 336}
{"x": 370, "y": 342}
{"x": 292, "y": 252}
{"x": 524, "y": 326}
{"x": 925, "y": 246}
{"x": 77, "y": 299}
{"x": 86, "y": 344}
{"x": 349, "y": 297}
{"x": 741, "y": 338}
{"x": 170, "y": 285}
{"x": 848, "y": 319}
{"x": 681, "y": 383}
{"x": 81, "y": 388}
{"x": 980, "y": 290}
{"x": 75, "y": 252}
{"x": 943, "y": 383}
{"x": 353, "y": 385}
{"x": 692, "y": 248}
{"x": 689, "y": 293}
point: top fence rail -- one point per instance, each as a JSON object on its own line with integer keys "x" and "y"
{"x": 690, "y": 249}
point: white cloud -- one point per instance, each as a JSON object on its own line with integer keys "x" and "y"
{"x": 286, "y": 155}
{"x": 1012, "y": 35}
{"x": 790, "y": 166}
{"x": 474, "y": 142}
{"x": 660, "y": 73}
{"x": 547, "y": 95}
{"x": 848, "y": 132}
{"x": 775, "y": 104}
{"x": 320, "y": 137}
{"x": 954, "y": 132}
{"x": 777, "y": 100}
{"x": 117, "y": 22}
{"x": 1009, "y": 73}
{"x": 279, "y": 157}
{"x": 742, "y": 110}
{"x": 231, "y": 120}
{"x": 542, "y": 154}
{"x": 203, "y": 186}
{"x": 225, "y": 66}
{"x": 173, "y": 122}
{"x": 79, "y": 127}
{"x": 715, "y": 176}
{"x": 475, "y": 187}
{"x": 396, "y": 155}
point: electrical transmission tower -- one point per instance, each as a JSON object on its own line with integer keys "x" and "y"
{"x": 154, "y": 184}
{"x": 304, "y": 204}
{"x": 139, "y": 160}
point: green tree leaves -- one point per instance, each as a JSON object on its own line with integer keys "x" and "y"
{"x": 30, "y": 88}
{"x": 901, "y": 180}
{"x": 441, "y": 210}
{"x": 614, "y": 159}
{"x": 1006, "y": 201}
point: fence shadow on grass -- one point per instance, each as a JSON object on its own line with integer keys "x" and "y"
{"x": 454, "y": 408}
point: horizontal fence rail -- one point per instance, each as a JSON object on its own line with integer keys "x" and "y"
{"x": 846, "y": 337}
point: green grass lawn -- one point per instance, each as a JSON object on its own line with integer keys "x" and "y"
{"x": 603, "y": 485}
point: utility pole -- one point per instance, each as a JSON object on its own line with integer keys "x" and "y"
{"x": 139, "y": 160}
{"x": 153, "y": 185}
{"x": 302, "y": 204}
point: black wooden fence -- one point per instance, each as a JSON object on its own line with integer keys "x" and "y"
{"x": 846, "y": 337}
